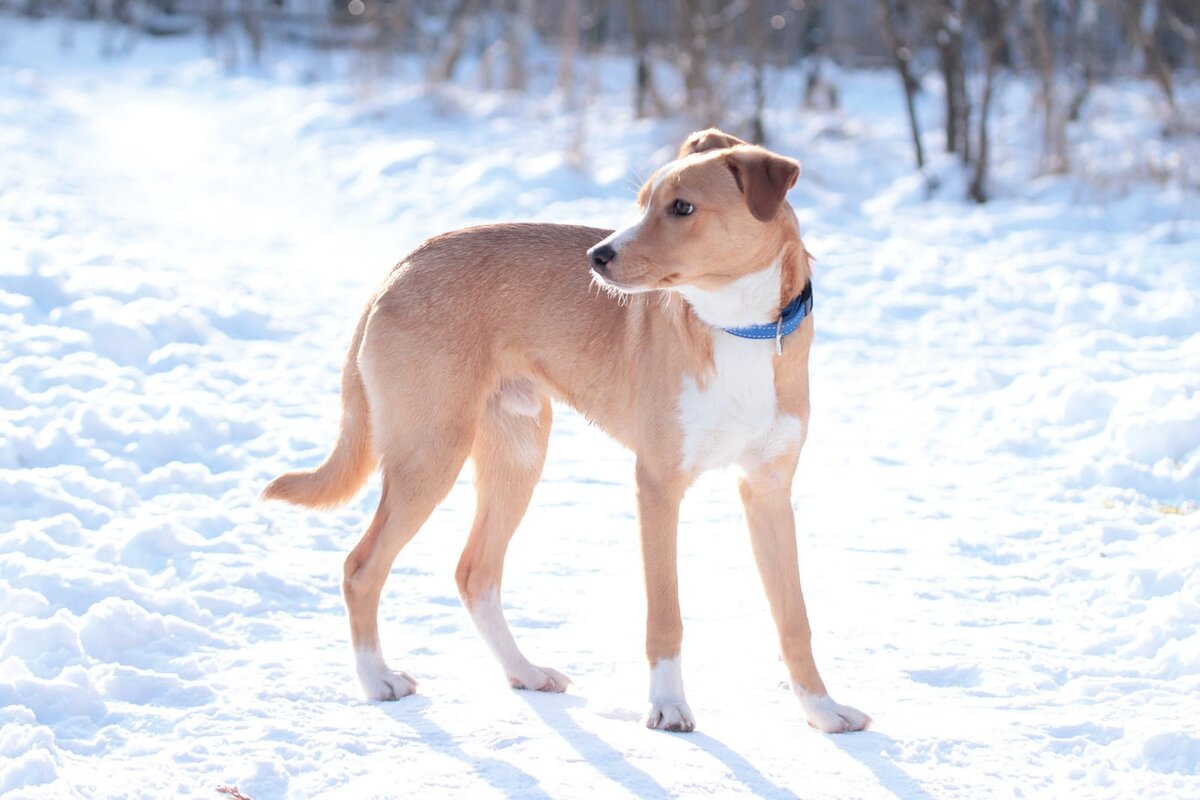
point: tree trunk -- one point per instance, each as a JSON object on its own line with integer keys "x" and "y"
{"x": 569, "y": 47}
{"x": 1135, "y": 12}
{"x": 520, "y": 34}
{"x": 644, "y": 88}
{"x": 901, "y": 54}
{"x": 1054, "y": 131}
{"x": 948, "y": 32}
{"x": 1086, "y": 52}
{"x": 994, "y": 18}
{"x": 456, "y": 41}
{"x": 693, "y": 56}
{"x": 978, "y": 188}
{"x": 252, "y": 24}
{"x": 1184, "y": 21}
{"x": 755, "y": 21}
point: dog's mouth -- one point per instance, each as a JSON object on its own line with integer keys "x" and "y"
{"x": 637, "y": 285}
{"x": 612, "y": 284}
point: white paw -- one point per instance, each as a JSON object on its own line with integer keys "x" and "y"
{"x": 387, "y": 684}
{"x": 539, "y": 679}
{"x": 379, "y": 682}
{"x": 668, "y": 710}
{"x": 829, "y": 717}
{"x": 671, "y": 717}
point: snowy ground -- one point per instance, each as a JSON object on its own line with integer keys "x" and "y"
{"x": 996, "y": 503}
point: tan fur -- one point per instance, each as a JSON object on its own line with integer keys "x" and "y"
{"x": 473, "y": 334}
{"x": 352, "y": 460}
{"x": 710, "y": 139}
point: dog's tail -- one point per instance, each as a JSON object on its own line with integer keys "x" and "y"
{"x": 346, "y": 469}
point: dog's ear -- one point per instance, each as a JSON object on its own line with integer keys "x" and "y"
{"x": 711, "y": 139}
{"x": 763, "y": 178}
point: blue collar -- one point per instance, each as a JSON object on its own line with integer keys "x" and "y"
{"x": 789, "y": 320}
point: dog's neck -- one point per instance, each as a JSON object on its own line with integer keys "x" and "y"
{"x": 752, "y": 299}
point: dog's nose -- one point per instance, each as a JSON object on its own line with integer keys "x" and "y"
{"x": 600, "y": 256}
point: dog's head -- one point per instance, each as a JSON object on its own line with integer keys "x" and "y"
{"x": 715, "y": 214}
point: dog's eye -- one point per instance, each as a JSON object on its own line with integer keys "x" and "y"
{"x": 681, "y": 208}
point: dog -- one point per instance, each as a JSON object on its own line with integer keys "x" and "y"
{"x": 695, "y": 356}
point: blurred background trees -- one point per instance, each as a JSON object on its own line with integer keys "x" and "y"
{"x": 711, "y": 60}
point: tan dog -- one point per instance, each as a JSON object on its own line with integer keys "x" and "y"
{"x": 720, "y": 247}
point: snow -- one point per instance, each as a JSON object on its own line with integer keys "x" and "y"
{"x": 996, "y": 504}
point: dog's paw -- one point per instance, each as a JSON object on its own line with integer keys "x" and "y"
{"x": 829, "y": 717}
{"x": 671, "y": 717}
{"x": 387, "y": 684}
{"x": 539, "y": 679}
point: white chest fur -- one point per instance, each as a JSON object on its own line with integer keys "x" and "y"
{"x": 735, "y": 418}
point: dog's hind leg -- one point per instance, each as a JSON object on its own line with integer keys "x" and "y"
{"x": 509, "y": 450}
{"x": 416, "y": 476}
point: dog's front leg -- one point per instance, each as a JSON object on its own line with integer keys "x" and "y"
{"x": 766, "y": 494}
{"x": 658, "y": 516}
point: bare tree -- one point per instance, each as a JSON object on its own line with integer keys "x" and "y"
{"x": 1039, "y": 29}
{"x": 692, "y": 56}
{"x": 819, "y": 92}
{"x": 451, "y": 51}
{"x": 1183, "y": 18}
{"x": 569, "y": 47}
{"x": 723, "y": 50}
{"x": 1142, "y": 17}
{"x": 1085, "y": 56}
{"x": 993, "y": 17}
{"x": 948, "y": 34}
{"x": 251, "y": 17}
{"x": 645, "y": 95}
{"x": 755, "y": 21}
{"x": 893, "y": 13}
{"x": 518, "y": 24}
